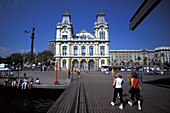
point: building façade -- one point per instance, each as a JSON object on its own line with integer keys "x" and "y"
{"x": 82, "y": 50}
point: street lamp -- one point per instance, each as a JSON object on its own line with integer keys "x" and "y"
{"x": 25, "y": 48}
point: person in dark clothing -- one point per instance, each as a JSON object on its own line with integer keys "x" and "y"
{"x": 135, "y": 90}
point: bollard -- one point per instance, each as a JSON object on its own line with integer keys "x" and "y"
{"x": 56, "y": 82}
{"x": 128, "y": 78}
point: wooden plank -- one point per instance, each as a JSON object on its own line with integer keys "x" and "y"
{"x": 65, "y": 102}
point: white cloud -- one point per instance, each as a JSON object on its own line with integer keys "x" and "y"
{"x": 26, "y": 51}
{"x": 4, "y": 52}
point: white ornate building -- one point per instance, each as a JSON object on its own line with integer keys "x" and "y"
{"x": 162, "y": 55}
{"x": 125, "y": 57}
{"x": 82, "y": 50}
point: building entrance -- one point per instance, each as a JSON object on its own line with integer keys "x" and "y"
{"x": 91, "y": 64}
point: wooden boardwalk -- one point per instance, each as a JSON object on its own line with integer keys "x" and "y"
{"x": 93, "y": 92}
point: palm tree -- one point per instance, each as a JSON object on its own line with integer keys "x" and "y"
{"x": 139, "y": 58}
{"x": 145, "y": 61}
{"x": 156, "y": 59}
{"x": 123, "y": 62}
{"x": 115, "y": 61}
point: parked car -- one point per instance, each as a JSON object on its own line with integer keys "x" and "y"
{"x": 128, "y": 69}
{"x": 122, "y": 69}
{"x": 165, "y": 68}
{"x": 141, "y": 69}
{"x": 4, "y": 67}
{"x": 104, "y": 68}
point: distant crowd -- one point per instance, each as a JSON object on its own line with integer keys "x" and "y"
{"x": 22, "y": 82}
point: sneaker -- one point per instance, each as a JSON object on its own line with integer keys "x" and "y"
{"x": 121, "y": 107}
{"x": 130, "y": 103}
{"x": 139, "y": 108}
{"x": 112, "y": 103}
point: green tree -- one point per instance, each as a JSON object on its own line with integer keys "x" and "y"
{"x": 28, "y": 57}
{"x": 14, "y": 57}
{"x": 115, "y": 61}
{"x": 139, "y": 58}
{"x": 145, "y": 61}
{"x": 122, "y": 62}
{"x": 45, "y": 57}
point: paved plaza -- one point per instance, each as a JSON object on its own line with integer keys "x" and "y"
{"x": 96, "y": 93}
{"x": 99, "y": 94}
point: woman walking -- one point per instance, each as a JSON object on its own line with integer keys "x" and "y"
{"x": 118, "y": 81}
{"x": 135, "y": 90}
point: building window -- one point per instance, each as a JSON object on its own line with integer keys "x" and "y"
{"x": 64, "y": 36}
{"x": 75, "y": 63}
{"x": 102, "y": 50}
{"x": 64, "y": 50}
{"x": 83, "y": 50}
{"x": 64, "y": 63}
{"x": 75, "y": 51}
{"x": 91, "y": 50}
{"x": 102, "y": 62}
{"x": 102, "y": 35}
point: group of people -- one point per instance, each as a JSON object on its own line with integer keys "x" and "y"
{"x": 134, "y": 90}
{"x": 22, "y": 82}
{"x": 7, "y": 73}
{"x": 74, "y": 73}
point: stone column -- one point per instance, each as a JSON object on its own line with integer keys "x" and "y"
{"x": 96, "y": 64}
{"x": 79, "y": 62}
{"x": 68, "y": 49}
{"x": 108, "y": 62}
{"x": 97, "y": 49}
{"x": 87, "y": 65}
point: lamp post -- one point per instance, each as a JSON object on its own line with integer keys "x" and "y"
{"x": 25, "y": 47}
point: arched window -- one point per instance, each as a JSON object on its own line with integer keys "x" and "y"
{"x": 75, "y": 63}
{"x": 102, "y": 62}
{"x": 102, "y": 50}
{"x": 64, "y": 63}
{"x": 64, "y": 50}
{"x": 64, "y": 36}
{"x": 102, "y": 35}
{"x": 75, "y": 50}
{"x": 91, "y": 50}
{"x": 91, "y": 65}
{"x": 83, "y": 50}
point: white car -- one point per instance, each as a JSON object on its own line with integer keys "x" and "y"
{"x": 141, "y": 69}
{"x": 122, "y": 69}
{"x": 128, "y": 69}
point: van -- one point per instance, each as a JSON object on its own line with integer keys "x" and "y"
{"x": 4, "y": 67}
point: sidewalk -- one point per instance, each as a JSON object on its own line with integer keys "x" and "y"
{"x": 95, "y": 94}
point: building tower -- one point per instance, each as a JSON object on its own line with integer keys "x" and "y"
{"x": 64, "y": 31}
{"x": 101, "y": 31}
{"x": 101, "y": 27}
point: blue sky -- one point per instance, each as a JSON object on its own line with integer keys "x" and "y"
{"x": 16, "y": 16}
